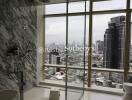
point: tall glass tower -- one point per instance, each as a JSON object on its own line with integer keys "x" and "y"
{"x": 114, "y": 39}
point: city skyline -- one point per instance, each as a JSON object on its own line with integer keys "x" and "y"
{"x": 56, "y": 30}
{"x": 60, "y": 38}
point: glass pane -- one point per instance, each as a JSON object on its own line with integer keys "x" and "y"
{"x": 107, "y": 79}
{"x": 131, "y": 3}
{"x": 108, "y": 41}
{"x": 55, "y": 8}
{"x": 76, "y": 56}
{"x": 51, "y": 74}
{"x": 61, "y": 8}
{"x": 78, "y": 6}
{"x": 75, "y": 77}
{"x": 76, "y": 40}
{"x": 109, "y": 5}
{"x": 130, "y": 78}
{"x": 55, "y": 47}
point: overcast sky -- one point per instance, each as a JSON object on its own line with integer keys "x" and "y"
{"x": 55, "y": 27}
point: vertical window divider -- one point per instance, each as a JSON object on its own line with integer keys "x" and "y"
{"x": 90, "y": 42}
{"x": 85, "y": 30}
{"x": 66, "y": 76}
{"x": 43, "y": 66}
{"x": 127, "y": 41}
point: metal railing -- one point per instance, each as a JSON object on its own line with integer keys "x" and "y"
{"x": 92, "y": 87}
{"x": 81, "y": 68}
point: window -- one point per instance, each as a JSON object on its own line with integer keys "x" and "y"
{"x": 108, "y": 42}
{"x": 109, "y": 5}
{"x": 107, "y": 79}
{"x": 78, "y": 6}
{"x": 55, "y": 8}
{"x": 61, "y": 8}
{"x": 54, "y": 45}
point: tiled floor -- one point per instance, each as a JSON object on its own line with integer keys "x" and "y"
{"x": 39, "y": 93}
{"x": 100, "y": 96}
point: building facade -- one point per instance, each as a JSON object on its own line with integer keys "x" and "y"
{"x": 54, "y": 58}
{"x": 99, "y": 47}
{"x": 114, "y": 39}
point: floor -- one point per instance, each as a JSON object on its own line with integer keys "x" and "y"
{"x": 39, "y": 93}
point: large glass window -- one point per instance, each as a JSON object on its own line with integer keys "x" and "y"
{"x": 108, "y": 45}
{"x": 108, "y": 42}
{"x": 109, "y": 5}
{"x": 76, "y": 50}
{"x": 74, "y": 7}
{"x": 55, "y": 46}
{"x": 107, "y": 79}
{"x": 75, "y": 39}
{"x": 55, "y": 8}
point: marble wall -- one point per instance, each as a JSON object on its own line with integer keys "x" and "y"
{"x": 18, "y": 39}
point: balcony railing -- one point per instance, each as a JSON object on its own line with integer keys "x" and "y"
{"x": 61, "y": 83}
{"x": 81, "y": 68}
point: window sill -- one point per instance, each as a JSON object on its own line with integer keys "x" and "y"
{"x": 100, "y": 89}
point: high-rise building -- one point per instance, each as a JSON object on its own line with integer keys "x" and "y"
{"x": 99, "y": 47}
{"x": 114, "y": 39}
{"x": 54, "y": 58}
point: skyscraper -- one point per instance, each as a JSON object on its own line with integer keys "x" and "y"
{"x": 99, "y": 47}
{"x": 114, "y": 39}
{"x": 54, "y": 58}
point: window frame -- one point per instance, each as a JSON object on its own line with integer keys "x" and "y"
{"x": 89, "y": 68}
